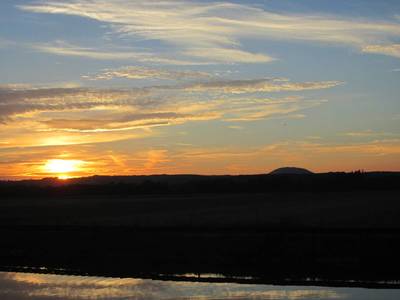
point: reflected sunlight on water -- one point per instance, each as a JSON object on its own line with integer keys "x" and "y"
{"x": 21, "y": 286}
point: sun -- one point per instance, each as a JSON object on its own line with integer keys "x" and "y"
{"x": 63, "y": 167}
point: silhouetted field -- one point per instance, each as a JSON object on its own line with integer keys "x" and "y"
{"x": 292, "y": 228}
{"x": 373, "y": 209}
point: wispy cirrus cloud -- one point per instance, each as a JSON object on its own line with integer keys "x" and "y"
{"x": 136, "y": 72}
{"x": 63, "y": 48}
{"x": 389, "y": 49}
{"x": 153, "y": 99}
{"x": 260, "y": 85}
{"x": 127, "y": 122}
{"x": 267, "y": 108}
{"x": 368, "y": 133}
{"x": 81, "y": 114}
{"x": 227, "y": 55}
{"x": 35, "y": 100}
{"x": 214, "y": 31}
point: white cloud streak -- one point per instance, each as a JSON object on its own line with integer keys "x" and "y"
{"x": 368, "y": 133}
{"x": 136, "y": 72}
{"x": 390, "y": 50}
{"x": 63, "y": 48}
{"x": 260, "y": 85}
{"x": 214, "y": 31}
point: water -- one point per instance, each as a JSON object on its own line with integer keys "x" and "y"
{"x": 23, "y": 286}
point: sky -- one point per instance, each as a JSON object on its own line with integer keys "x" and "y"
{"x": 127, "y": 87}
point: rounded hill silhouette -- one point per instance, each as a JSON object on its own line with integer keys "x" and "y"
{"x": 291, "y": 170}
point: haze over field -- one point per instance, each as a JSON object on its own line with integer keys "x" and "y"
{"x": 201, "y": 87}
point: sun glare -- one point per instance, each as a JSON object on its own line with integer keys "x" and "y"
{"x": 62, "y": 167}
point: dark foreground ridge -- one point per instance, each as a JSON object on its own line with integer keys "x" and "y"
{"x": 320, "y": 229}
{"x": 283, "y": 179}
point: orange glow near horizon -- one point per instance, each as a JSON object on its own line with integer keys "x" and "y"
{"x": 82, "y": 161}
{"x": 63, "y": 167}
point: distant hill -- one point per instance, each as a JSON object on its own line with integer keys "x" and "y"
{"x": 291, "y": 171}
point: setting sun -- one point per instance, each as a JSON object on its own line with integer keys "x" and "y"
{"x": 62, "y": 167}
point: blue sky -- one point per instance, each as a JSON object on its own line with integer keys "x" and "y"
{"x": 229, "y": 86}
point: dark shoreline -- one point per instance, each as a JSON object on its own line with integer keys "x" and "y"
{"x": 219, "y": 279}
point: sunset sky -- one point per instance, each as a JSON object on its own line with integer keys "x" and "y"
{"x": 228, "y": 87}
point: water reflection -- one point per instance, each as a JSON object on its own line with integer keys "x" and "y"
{"x": 22, "y": 286}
